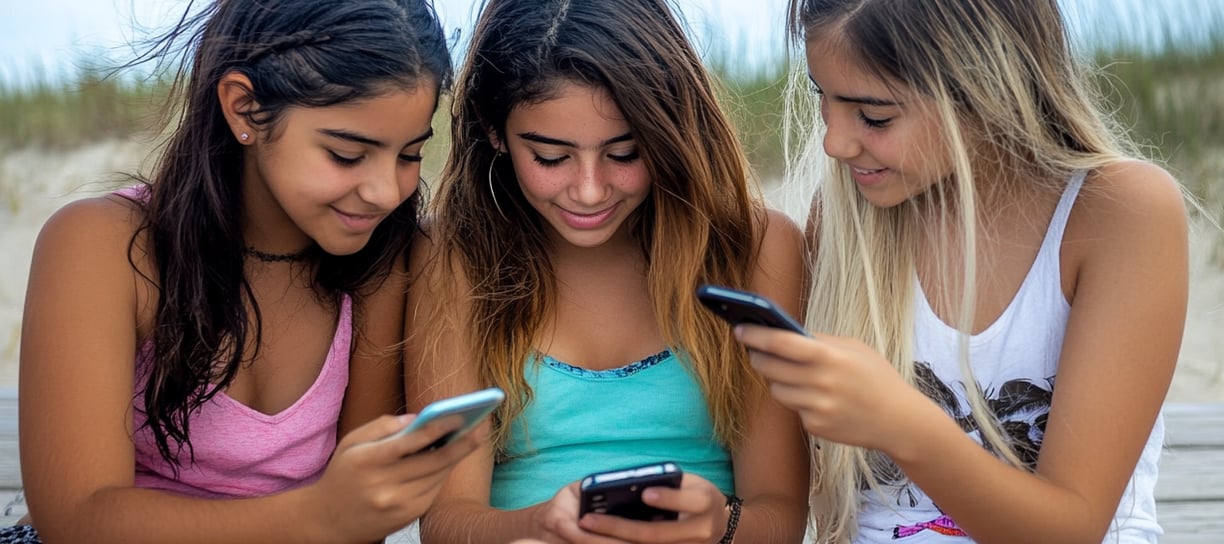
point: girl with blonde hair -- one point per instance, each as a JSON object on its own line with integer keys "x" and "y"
{"x": 999, "y": 285}
{"x": 593, "y": 185}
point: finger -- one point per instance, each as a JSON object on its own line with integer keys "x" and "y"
{"x": 617, "y": 529}
{"x": 424, "y": 438}
{"x": 776, "y": 369}
{"x": 374, "y": 430}
{"x": 779, "y": 343}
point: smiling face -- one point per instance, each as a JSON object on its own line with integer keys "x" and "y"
{"x": 577, "y": 164}
{"x": 333, "y": 173}
{"x": 888, "y": 136}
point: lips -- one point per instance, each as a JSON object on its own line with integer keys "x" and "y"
{"x": 867, "y": 176}
{"x": 359, "y": 222}
{"x": 587, "y": 221}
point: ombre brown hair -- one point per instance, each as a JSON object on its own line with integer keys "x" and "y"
{"x": 700, "y": 224}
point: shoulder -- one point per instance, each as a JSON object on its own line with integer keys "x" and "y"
{"x": 1129, "y": 202}
{"x": 91, "y": 225}
{"x": 1130, "y": 216}
{"x": 780, "y": 235}
{"x": 780, "y": 269}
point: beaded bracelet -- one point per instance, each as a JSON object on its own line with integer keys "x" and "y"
{"x": 735, "y": 504}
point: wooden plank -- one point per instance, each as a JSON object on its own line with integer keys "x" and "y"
{"x": 1191, "y": 522}
{"x": 1190, "y": 474}
{"x": 10, "y": 462}
{"x": 1199, "y": 424}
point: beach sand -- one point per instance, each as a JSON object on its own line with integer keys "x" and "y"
{"x": 34, "y": 183}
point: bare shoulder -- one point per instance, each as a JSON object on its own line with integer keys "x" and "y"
{"x": 91, "y": 228}
{"x": 1130, "y": 195}
{"x": 780, "y": 266}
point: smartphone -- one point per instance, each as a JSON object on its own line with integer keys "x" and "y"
{"x": 738, "y": 307}
{"x": 472, "y": 407}
{"x": 619, "y": 492}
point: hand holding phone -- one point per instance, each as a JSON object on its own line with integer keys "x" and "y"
{"x": 737, "y": 307}
{"x": 472, "y": 407}
{"x": 619, "y": 492}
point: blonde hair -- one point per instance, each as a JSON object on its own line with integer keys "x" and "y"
{"x": 700, "y": 224}
{"x": 1010, "y": 95}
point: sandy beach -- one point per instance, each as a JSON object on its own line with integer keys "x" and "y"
{"x": 34, "y": 183}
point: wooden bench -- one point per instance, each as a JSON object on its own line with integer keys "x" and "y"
{"x": 1189, "y": 492}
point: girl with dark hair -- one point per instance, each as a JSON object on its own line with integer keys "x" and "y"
{"x": 188, "y": 342}
{"x": 1000, "y": 282}
{"x": 593, "y": 186}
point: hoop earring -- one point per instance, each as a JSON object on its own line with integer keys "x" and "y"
{"x": 493, "y": 193}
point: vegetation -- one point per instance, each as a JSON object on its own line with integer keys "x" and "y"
{"x": 1169, "y": 88}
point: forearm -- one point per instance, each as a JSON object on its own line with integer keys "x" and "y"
{"x": 1002, "y": 503}
{"x": 133, "y": 515}
{"x": 471, "y": 522}
{"x": 771, "y": 520}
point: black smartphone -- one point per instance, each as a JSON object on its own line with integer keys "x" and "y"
{"x": 736, "y": 307}
{"x": 619, "y": 492}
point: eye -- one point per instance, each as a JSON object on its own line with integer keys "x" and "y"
{"x": 547, "y": 162}
{"x": 627, "y": 157}
{"x": 872, "y": 122}
{"x": 410, "y": 158}
{"x": 343, "y": 160}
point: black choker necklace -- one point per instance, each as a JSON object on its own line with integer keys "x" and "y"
{"x": 276, "y": 257}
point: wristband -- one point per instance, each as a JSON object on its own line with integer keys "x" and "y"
{"x": 735, "y": 504}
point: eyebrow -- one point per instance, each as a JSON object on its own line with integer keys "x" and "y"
{"x": 365, "y": 140}
{"x": 531, "y": 136}
{"x": 865, "y": 100}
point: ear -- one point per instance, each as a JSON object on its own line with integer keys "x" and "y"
{"x": 495, "y": 140}
{"x": 237, "y": 101}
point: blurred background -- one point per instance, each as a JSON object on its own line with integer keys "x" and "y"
{"x": 69, "y": 124}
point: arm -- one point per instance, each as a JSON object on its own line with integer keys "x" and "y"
{"x": 80, "y": 331}
{"x": 771, "y": 466}
{"x": 1123, "y": 335}
{"x": 376, "y": 367}
{"x": 1125, "y": 269}
{"x": 437, "y": 367}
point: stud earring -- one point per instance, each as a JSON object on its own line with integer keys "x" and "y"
{"x": 244, "y": 136}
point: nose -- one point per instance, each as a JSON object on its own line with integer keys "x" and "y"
{"x": 592, "y": 186}
{"x": 839, "y": 141}
{"x": 388, "y": 186}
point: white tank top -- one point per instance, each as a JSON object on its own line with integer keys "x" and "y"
{"x": 1015, "y": 360}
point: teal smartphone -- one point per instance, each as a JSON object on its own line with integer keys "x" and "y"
{"x": 472, "y": 407}
{"x": 736, "y": 307}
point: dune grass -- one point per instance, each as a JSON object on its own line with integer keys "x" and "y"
{"x": 1169, "y": 90}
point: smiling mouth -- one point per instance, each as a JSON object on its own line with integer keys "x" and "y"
{"x": 587, "y": 220}
{"x": 864, "y": 171}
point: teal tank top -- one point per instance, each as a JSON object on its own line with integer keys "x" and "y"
{"x": 583, "y": 421}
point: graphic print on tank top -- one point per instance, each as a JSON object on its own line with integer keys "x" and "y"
{"x": 1021, "y": 407}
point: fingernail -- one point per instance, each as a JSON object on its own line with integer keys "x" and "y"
{"x": 650, "y": 495}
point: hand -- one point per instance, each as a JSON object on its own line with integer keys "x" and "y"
{"x": 702, "y": 508}
{"x": 375, "y": 485}
{"x": 842, "y": 389}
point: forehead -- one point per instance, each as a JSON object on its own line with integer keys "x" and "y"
{"x": 572, "y": 108}
{"x": 392, "y": 115}
{"x": 837, "y": 69}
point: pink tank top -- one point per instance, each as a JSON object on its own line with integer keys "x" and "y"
{"x": 241, "y": 452}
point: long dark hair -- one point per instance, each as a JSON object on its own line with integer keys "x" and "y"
{"x": 699, "y": 225}
{"x": 303, "y": 53}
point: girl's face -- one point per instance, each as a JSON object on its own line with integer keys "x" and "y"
{"x": 578, "y": 164}
{"x": 334, "y": 173}
{"x": 889, "y": 137}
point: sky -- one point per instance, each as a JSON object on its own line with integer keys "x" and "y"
{"x": 51, "y": 35}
